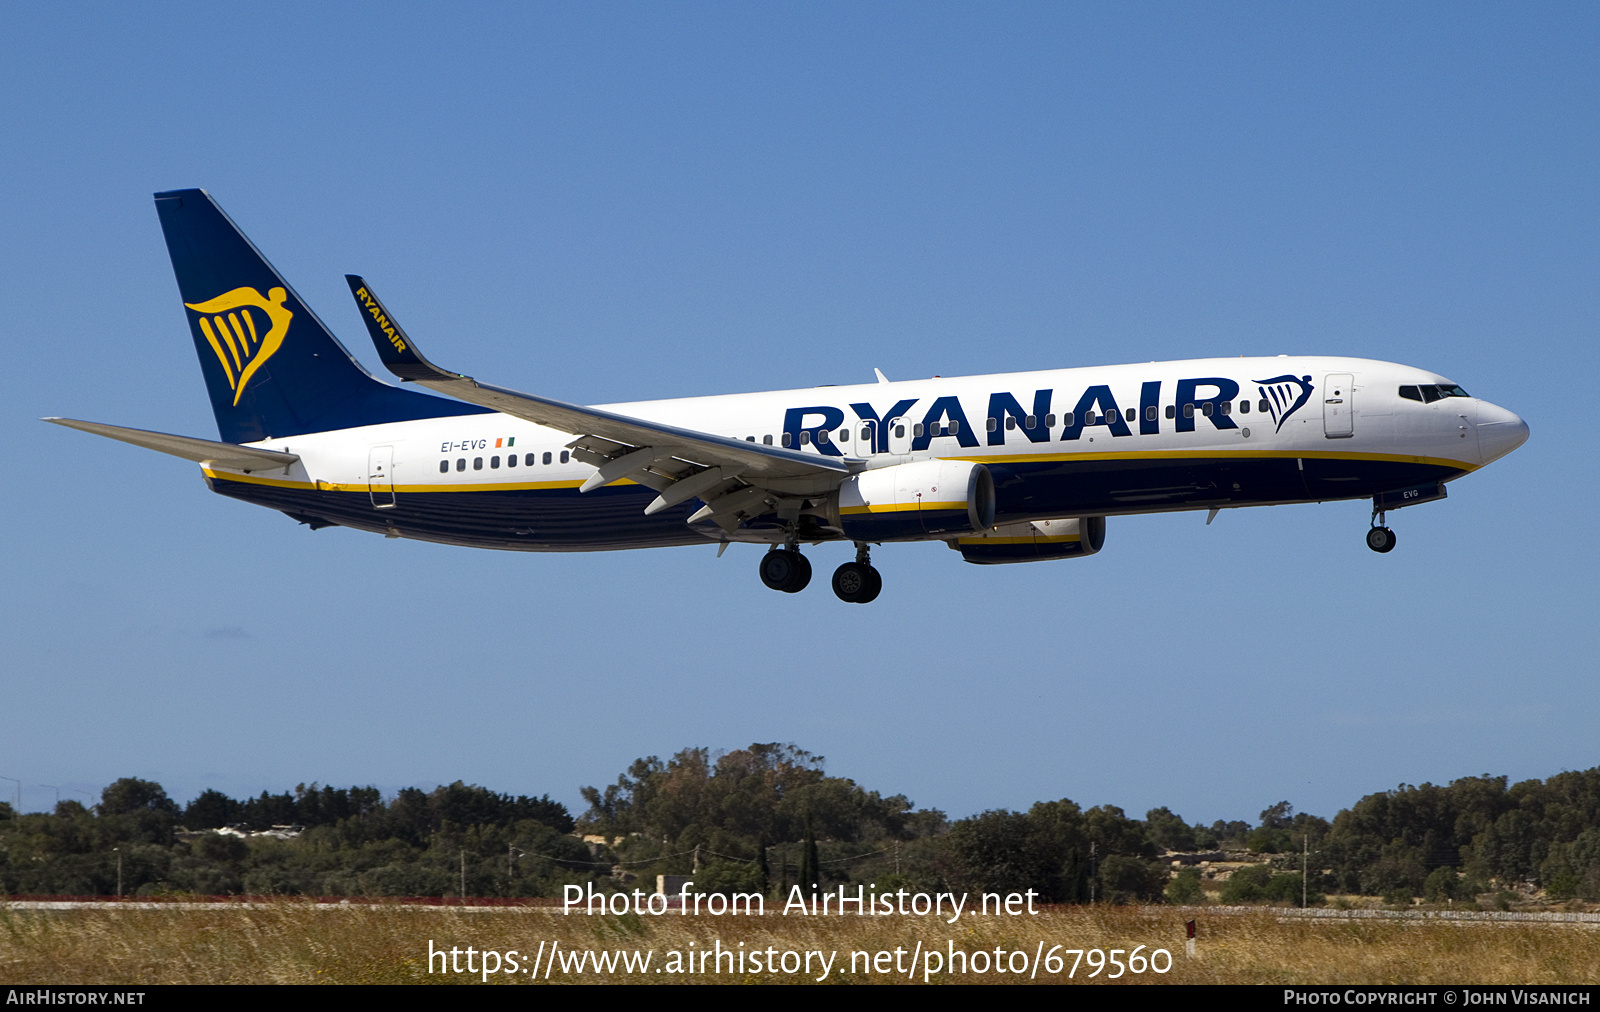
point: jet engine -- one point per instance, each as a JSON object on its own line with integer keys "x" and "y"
{"x": 1032, "y": 542}
{"x": 911, "y": 502}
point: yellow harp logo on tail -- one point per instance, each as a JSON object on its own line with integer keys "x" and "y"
{"x": 235, "y": 333}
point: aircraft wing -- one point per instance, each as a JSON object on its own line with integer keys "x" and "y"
{"x": 206, "y": 451}
{"x": 679, "y": 463}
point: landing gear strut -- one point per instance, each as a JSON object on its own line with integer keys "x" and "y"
{"x": 785, "y": 569}
{"x": 858, "y": 582}
{"x": 1379, "y": 537}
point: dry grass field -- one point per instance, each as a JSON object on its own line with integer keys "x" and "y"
{"x": 298, "y": 942}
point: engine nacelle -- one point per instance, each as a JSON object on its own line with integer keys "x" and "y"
{"x": 912, "y": 502}
{"x": 1033, "y": 542}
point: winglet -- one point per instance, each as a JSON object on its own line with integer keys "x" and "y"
{"x": 398, "y": 352}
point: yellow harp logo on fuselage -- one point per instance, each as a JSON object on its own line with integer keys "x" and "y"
{"x": 236, "y": 335}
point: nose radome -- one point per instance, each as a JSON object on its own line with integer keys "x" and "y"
{"x": 1499, "y": 431}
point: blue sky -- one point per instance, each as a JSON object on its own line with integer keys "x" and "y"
{"x": 613, "y": 202}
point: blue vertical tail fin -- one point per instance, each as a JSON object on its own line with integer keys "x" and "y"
{"x": 272, "y": 368}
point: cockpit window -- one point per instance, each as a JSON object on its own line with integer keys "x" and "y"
{"x": 1430, "y": 392}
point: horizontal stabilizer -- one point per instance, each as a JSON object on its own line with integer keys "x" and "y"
{"x": 206, "y": 451}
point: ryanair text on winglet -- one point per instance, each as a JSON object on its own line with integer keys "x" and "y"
{"x": 384, "y": 325}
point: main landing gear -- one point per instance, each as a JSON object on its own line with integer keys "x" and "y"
{"x": 1380, "y": 538}
{"x": 857, "y": 582}
{"x": 787, "y": 570}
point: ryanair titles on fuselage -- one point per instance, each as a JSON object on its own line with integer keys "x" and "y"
{"x": 1209, "y": 398}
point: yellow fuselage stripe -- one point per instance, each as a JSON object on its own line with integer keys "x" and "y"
{"x": 1030, "y": 458}
{"x": 362, "y": 486}
{"x": 1397, "y": 458}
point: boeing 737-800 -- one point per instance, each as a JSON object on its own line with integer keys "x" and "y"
{"x": 1015, "y": 467}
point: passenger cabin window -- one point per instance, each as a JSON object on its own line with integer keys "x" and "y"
{"x": 477, "y": 463}
{"x": 444, "y": 467}
{"x": 1133, "y": 414}
{"x": 1011, "y": 422}
{"x": 461, "y": 464}
{"x": 1150, "y": 413}
{"x": 1244, "y": 407}
{"x": 1172, "y": 411}
{"x": 1188, "y": 411}
{"x": 767, "y": 440}
{"x": 1227, "y": 408}
{"x": 1261, "y": 405}
{"x": 530, "y": 459}
{"x": 1050, "y": 421}
{"x": 494, "y": 463}
{"x": 993, "y": 424}
{"x": 786, "y": 438}
{"x": 511, "y": 460}
{"x": 547, "y": 456}
{"x": 565, "y": 456}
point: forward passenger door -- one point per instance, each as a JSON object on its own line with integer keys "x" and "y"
{"x": 1337, "y": 400}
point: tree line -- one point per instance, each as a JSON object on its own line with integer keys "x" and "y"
{"x": 768, "y": 817}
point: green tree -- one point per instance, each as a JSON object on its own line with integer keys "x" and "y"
{"x": 1230, "y": 834}
{"x": 1169, "y": 831}
{"x": 1247, "y": 884}
{"x": 211, "y": 810}
{"x": 733, "y": 807}
{"x": 1443, "y": 883}
{"x": 129, "y": 796}
{"x": 1185, "y": 889}
{"x": 1128, "y": 879}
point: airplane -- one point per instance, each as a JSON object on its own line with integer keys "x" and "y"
{"x": 1006, "y": 468}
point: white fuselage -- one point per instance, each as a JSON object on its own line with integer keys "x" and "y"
{"x": 1199, "y": 434}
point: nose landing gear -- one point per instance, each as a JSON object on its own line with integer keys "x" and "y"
{"x": 1380, "y": 538}
{"x": 858, "y": 582}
